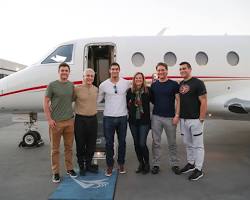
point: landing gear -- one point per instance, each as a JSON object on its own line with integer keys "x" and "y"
{"x": 32, "y": 137}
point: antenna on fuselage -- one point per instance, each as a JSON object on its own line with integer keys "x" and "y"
{"x": 161, "y": 33}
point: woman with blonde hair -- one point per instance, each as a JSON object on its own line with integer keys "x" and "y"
{"x": 138, "y": 101}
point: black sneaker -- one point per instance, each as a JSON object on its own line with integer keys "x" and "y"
{"x": 72, "y": 173}
{"x": 155, "y": 170}
{"x": 140, "y": 168}
{"x": 176, "y": 170}
{"x": 188, "y": 168}
{"x": 197, "y": 174}
{"x": 56, "y": 178}
{"x": 146, "y": 169}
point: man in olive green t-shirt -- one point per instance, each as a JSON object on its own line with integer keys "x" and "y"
{"x": 58, "y": 110}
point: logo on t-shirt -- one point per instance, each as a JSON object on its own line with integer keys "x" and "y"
{"x": 184, "y": 89}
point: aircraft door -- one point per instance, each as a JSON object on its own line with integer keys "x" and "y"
{"x": 99, "y": 57}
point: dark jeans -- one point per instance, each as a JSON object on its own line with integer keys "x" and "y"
{"x": 140, "y": 133}
{"x": 85, "y": 136}
{"x": 110, "y": 126}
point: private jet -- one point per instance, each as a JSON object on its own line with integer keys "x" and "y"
{"x": 222, "y": 62}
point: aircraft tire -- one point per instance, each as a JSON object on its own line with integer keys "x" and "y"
{"x": 37, "y": 135}
{"x": 30, "y": 139}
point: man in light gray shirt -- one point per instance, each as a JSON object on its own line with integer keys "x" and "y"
{"x": 113, "y": 91}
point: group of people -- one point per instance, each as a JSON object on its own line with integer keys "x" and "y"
{"x": 126, "y": 103}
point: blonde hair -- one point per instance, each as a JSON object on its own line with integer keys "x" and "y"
{"x": 144, "y": 84}
{"x": 88, "y": 70}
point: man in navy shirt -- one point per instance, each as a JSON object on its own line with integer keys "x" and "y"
{"x": 165, "y": 97}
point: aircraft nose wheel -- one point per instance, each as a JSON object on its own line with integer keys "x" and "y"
{"x": 31, "y": 139}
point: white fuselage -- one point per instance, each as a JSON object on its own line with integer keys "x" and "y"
{"x": 23, "y": 91}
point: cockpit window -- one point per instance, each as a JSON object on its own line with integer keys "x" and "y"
{"x": 61, "y": 54}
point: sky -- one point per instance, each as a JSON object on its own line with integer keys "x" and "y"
{"x": 31, "y": 28}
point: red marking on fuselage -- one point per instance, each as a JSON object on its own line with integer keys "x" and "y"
{"x": 127, "y": 78}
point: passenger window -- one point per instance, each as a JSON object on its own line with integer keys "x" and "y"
{"x": 61, "y": 54}
{"x": 138, "y": 59}
{"x": 233, "y": 58}
{"x": 170, "y": 59}
{"x": 201, "y": 58}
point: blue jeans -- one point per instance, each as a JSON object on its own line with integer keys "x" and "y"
{"x": 140, "y": 133}
{"x": 110, "y": 126}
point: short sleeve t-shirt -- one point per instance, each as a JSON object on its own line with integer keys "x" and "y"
{"x": 190, "y": 91}
{"x": 163, "y": 94}
{"x": 61, "y": 97}
{"x": 115, "y": 97}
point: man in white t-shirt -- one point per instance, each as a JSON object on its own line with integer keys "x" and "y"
{"x": 113, "y": 91}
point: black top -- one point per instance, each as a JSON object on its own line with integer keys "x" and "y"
{"x": 163, "y": 97}
{"x": 145, "y": 98}
{"x": 190, "y": 91}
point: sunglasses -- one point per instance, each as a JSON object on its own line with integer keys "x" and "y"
{"x": 115, "y": 88}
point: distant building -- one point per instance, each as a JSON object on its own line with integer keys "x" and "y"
{"x": 8, "y": 67}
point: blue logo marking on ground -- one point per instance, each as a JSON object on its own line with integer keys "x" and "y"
{"x": 92, "y": 186}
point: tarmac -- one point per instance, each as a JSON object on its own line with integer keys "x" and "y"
{"x": 25, "y": 173}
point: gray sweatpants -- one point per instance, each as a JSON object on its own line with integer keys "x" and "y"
{"x": 192, "y": 132}
{"x": 158, "y": 123}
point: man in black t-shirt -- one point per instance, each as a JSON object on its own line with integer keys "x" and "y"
{"x": 193, "y": 108}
